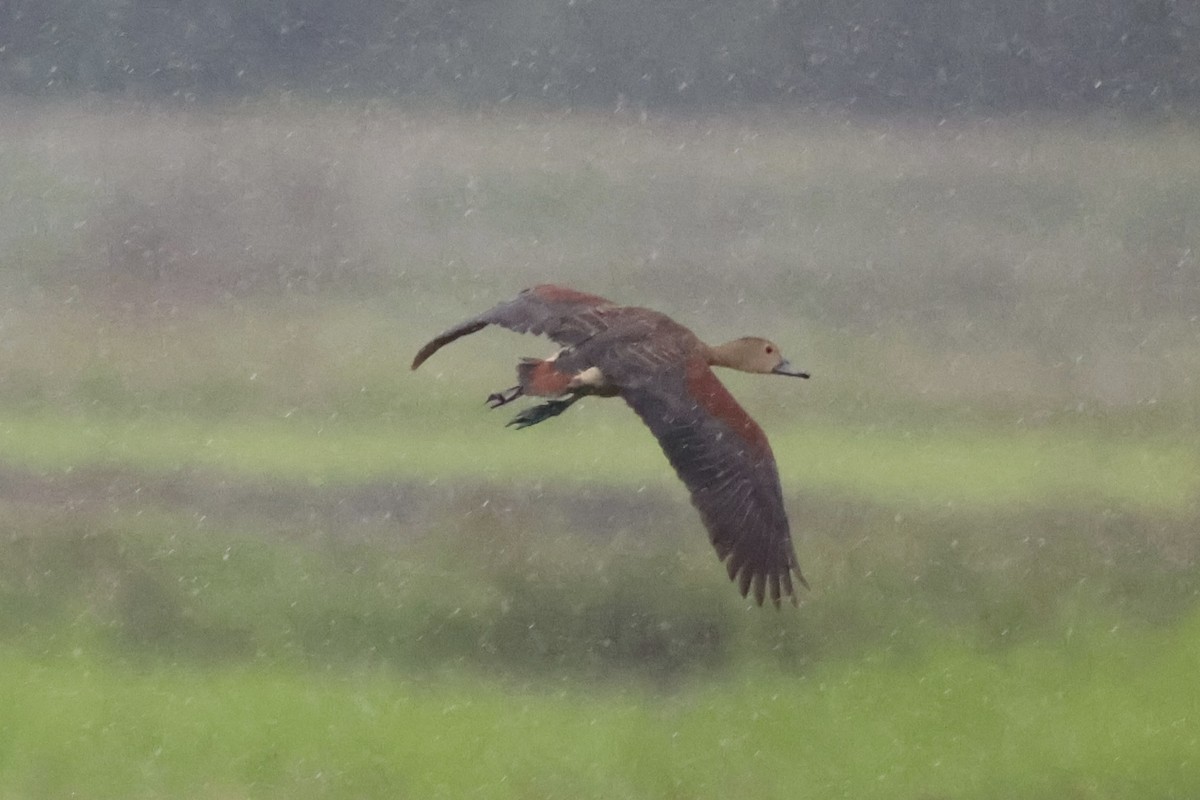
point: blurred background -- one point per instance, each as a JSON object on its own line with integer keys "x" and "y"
{"x": 246, "y": 553}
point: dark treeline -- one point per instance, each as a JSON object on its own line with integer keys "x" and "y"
{"x": 874, "y": 54}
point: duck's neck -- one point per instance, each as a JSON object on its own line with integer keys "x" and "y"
{"x": 722, "y": 355}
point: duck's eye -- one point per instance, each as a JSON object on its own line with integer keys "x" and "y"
{"x": 770, "y": 349}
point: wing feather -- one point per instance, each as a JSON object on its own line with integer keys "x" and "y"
{"x": 566, "y": 316}
{"x": 733, "y": 481}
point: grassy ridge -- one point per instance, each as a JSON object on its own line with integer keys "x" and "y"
{"x": 606, "y": 583}
{"x": 1095, "y": 716}
{"x": 168, "y": 656}
{"x": 978, "y": 467}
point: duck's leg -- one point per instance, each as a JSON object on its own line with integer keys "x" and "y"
{"x": 539, "y": 413}
{"x": 497, "y": 399}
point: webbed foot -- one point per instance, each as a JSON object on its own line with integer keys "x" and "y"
{"x": 539, "y": 413}
{"x": 497, "y": 399}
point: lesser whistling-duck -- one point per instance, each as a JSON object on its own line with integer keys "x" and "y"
{"x": 662, "y": 370}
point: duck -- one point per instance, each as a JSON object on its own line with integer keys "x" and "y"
{"x": 664, "y": 372}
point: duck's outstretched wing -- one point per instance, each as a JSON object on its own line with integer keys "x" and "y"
{"x": 565, "y": 315}
{"x": 724, "y": 459}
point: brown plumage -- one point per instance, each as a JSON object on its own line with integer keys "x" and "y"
{"x": 663, "y": 371}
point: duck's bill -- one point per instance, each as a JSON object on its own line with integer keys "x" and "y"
{"x": 786, "y": 368}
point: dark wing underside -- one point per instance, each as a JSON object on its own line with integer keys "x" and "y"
{"x": 566, "y": 316}
{"x": 734, "y": 484}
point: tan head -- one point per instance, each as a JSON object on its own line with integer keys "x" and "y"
{"x": 752, "y": 354}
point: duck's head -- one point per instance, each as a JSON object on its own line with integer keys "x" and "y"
{"x": 754, "y": 354}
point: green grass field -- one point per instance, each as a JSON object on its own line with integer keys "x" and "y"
{"x": 1097, "y": 715}
{"x": 245, "y": 552}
